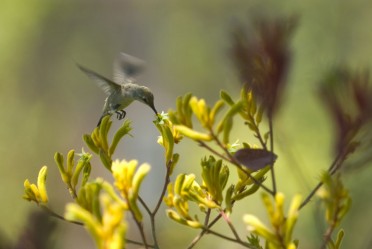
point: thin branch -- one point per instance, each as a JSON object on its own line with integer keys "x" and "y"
{"x": 142, "y": 232}
{"x": 129, "y": 241}
{"x": 206, "y": 220}
{"x": 228, "y": 221}
{"x": 312, "y": 193}
{"x": 153, "y": 213}
{"x": 166, "y": 182}
{"x": 200, "y": 235}
{"x": 203, "y": 232}
{"x": 196, "y": 239}
{"x": 140, "y": 228}
{"x": 143, "y": 203}
{"x": 53, "y": 214}
{"x": 238, "y": 241}
{"x": 202, "y": 144}
{"x": 257, "y": 131}
{"x": 207, "y": 230}
{"x": 259, "y": 137}
{"x": 271, "y": 130}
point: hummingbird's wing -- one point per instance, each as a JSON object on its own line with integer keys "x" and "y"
{"x": 105, "y": 84}
{"x": 127, "y": 67}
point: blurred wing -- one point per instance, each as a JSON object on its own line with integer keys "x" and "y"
{"x": 255, "y": 159}
{"x": 126, "y": 67}
{"x": 105, "y": 84}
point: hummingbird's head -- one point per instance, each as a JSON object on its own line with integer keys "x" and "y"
{"x": 144, "y": 95}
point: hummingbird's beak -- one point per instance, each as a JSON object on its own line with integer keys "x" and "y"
{"x": 153, "y": 108}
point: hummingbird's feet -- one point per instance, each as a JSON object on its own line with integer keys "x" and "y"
{"x": 120, "y": 114}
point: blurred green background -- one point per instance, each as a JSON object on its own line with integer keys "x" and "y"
{"x": 47, "y": 104}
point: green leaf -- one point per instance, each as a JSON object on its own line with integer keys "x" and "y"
{"x": 90, "y": 143}
{"x": 58, "y": 158}
{"x": 215, "y": 110}
{"x": 105, "y": 159}
{"x": 253, "y": 189}
{"x": 175, "y": 159}
{"x": 103, "y": 131}
{"x": 168, "y": 142}
{"x": 123, "y": 130}
{"x": 236, "y": 108}
{"x": 86, "y": 173}
{"x": 259, "y": 114}
{"x": 83, "y": 161}
{"x": 228, "y": 199}
{"x": 226, "y": 97}
{"x": 254, "y": 240}
{"x": 340, "y": 236}
{"x": 70, "y": 161}
{"x": 195, "y": 135}
{"x": 41, "y": 184}
{"x": 228, "y": 124}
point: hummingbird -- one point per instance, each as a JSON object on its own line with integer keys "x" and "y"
{"x": 122, "y": 90}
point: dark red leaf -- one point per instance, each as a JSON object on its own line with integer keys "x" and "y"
{"x": 255, "y": 159}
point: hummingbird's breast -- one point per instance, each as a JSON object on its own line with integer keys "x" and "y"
{"x": 117, "y": 101}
